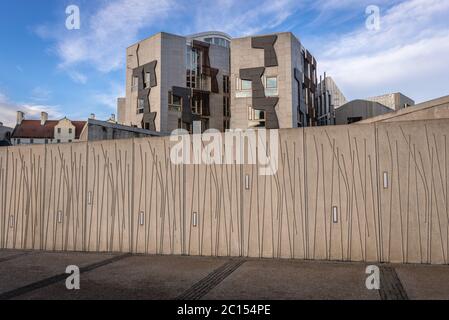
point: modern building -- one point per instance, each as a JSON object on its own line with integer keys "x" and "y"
{"x": 273, "y": 82}
{"x": 5, "y": 135}
{"x": 96, "y": 130}
{"x": 328, "y": 99}
{"x": 173, "y": 81}
{"x": 45, "y": 131}
{"x": 436, "y": 109}
{"x": 358, "y": 110}
{"x": 394, "y": 101}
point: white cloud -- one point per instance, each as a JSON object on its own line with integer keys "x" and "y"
{"x": 109, "y": 98}
{"x": 40, "y": 94}
{"x": 103, "y": 38}
{"x": 8, "y": 110}
{"x": 408, "y": 54}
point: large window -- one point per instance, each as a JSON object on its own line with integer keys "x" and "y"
{"x": 147, "y": 80}
{"x": 196, "y": 105}
{"x": 193, "y": 63}
{"x": 174, "y": 102}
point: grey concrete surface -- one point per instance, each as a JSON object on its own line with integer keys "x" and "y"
{"x": 294, "y": 280}
{"x": 168, "y": 277}
{"x": 425, "y": 282}
{"x": 37, "y": 266}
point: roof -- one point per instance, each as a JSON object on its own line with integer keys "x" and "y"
{"x": 32, "y": 129}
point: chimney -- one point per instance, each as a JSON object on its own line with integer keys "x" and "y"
{"x": 44, "y": 118}
{"x": 92, "y": 116}
{"x": 20, "y": 117}
{"x": 112, "y": 118}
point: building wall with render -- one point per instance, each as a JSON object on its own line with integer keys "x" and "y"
{"x": 387, "y": 182}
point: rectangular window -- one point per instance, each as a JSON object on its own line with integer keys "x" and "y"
{"x": 70, "y": 130}
{"x": 58, "y": 141}
{"x": 140, "y": 106}
{"x": 243, "y": 89}
{"x": 226, "y": 88}
{"x": 31, "y": 141}
{"x": 46, "y": 141}
{"x": 271, "y": 86}
{"x": 147, "y": 79}
{"x": 226, "y": 107}
{"x": 134, "y": 84}
{"x": 59, "y": 130}
{"x": 174, "y": 102}
{"x": 18, "y": 141}
{"x": 70, "y": 141}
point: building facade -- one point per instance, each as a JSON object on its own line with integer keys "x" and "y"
{"x": 328, "y": 99}
{"x": 224, "y": 83}
{"x": 273, "y": 82}
{"x": 172, "y": 81}
{"x": 5, "y": 135}
{"x": 394, "y": 101}
{"x": 45, "y": 131}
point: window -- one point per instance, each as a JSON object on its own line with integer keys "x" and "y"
{"x": 70, "y": 141}
{"x": 226, "y": 124}
{"x": 59, "y": 130}
{"x": 70, "y": 130}
{"x": 193, "y": 64}
{"x": 140, "y": 106}
{"x": 354, "y": 119}
{"x": 147, "y": 79}
{"x": 174, "y": 102}
{"x": 196, "y": 106}
{"x": 134, "y": 84}
{"x": 46, "y": 141}
{"x": 18, "y": 141}
{"x": 226, "y": 107}
{"x": 58, "y": 141}
{"x": 243, "y": 89}
{"x": 271, "y": 86}
{"x": 31, "y": 141}
{"x": 226, "y": 88}
{"x": 256, "y": 115}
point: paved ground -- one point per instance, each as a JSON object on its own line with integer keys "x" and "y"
{"x": 41, "y": 275}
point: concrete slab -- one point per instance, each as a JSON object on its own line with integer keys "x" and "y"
{"x": 37, "y": 266}
{"x": 137, "y": 277}
{"x": 424, "y": 282}
{"x": 294, "y": 280}
{"x": 6, "y": 254}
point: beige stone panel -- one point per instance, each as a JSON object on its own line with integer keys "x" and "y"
{"x": 414, "y": 201}
{"x": 110, "y": 187}
{"x": 158, "y": 197}
{"x": 63, "y": 215}
{"x": 339, "y": 162}
{"x": 24, "y": 180}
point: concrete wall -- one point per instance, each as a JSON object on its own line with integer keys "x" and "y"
{"x": 394, "y": 101}
{"x": 127, "y": 196}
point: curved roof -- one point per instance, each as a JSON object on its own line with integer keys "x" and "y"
{"x": 210, "y": 34}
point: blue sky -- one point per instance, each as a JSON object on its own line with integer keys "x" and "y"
{"x": 44, "y": 66}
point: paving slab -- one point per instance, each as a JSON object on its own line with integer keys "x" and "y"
{"x": 424, "y": 282}
{"x": 294, "y": 280}
{"x": 36, "y": 266}
{"x": 136, "y": 277}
